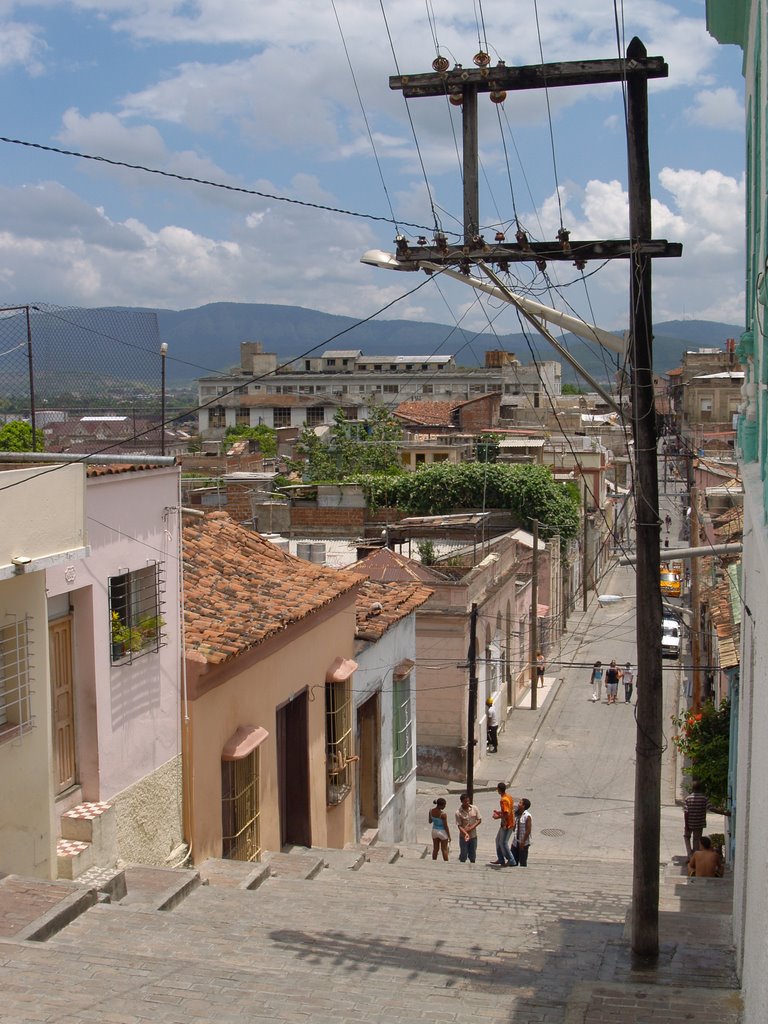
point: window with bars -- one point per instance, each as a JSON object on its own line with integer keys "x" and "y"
{"x": 338, "y": 739}
{"x": 240, "y": 808}
{"x": 282, "y": 416}
{"x": 217, "y": 416}
{"x": 316, "y": 416}
{"x": 242, "y": 417}
{"x": 15, "y": 708}
{"x": 135, "y": 612}
{"x": 402, "y": 727}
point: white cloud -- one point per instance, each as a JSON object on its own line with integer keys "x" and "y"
{"x": 21, "y": 45}
{"x": 718, "y": 108}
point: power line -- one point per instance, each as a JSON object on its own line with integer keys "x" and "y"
{"x": 207, "y": 182}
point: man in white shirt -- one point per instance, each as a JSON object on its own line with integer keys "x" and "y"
{"x": 522, "y": 839}
{"x": 492, "y": 726}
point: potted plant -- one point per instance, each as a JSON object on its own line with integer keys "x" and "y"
{"x": 125, "y": 638}
{"x": 149, "y": 628}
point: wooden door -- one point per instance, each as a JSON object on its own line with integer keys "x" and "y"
{"x": 63, "y": 704}
{"x": 368, "y": 749}
{"x": 293, "y": 772}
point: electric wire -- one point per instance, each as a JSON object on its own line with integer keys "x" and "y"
{"x": 365, "y": 116}
{"x": 207, "y": 182}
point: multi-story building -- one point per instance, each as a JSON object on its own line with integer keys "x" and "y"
{"x": 706, "y": 392}
{"x": 743, "y": 22}
{"x": 352, "y": 381}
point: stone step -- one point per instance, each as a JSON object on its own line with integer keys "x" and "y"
{"x": 73, "y": 858}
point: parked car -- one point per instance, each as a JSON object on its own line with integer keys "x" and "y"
{"x": 670, "y": 637}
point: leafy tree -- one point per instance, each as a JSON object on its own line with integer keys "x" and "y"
{"x": 529, "y": 492}
{"x": 264, "y": 435}
{"x": 16, "y": 436}
{"x": 703, "y": 740}
{"x": 353, "y": 447}
{"x": 427, "y": 552}
{"x": 487, "y": 448}
{"x": 571, "y": 389}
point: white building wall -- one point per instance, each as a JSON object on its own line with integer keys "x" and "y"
{"x": 42, "y": 515}
{"x": 128, "y": 716}
{"x": 751, "y": 810}
{"x": 397, "y": 801}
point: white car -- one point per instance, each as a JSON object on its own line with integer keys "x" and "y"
{"x": 670, "y": 638}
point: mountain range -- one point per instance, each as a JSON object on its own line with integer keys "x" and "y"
{"x": 211, "y": 335}
{"x": 124, "y": 344}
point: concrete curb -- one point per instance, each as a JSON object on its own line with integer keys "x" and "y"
{"x": 54, "y": 920}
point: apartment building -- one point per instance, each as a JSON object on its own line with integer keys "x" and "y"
{"x": 348, "y": 379}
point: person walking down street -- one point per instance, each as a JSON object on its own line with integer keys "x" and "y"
{"x": 540, "y": 666}
{"x": 628, "y": 678}
{"x": 596, "y": 679}
{"x": 492, "y": 727}
{"x": 506, "y": 819}
{"x": 612, "y": 677}
{"x": 706, "y": 862}
{"x": 694, "y": 817}
{"x": 523, "y": 825}
{"x": 467, "y": 820}
{"x": 441, "y": 836}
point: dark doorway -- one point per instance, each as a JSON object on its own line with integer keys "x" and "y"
{"x": 368, "y": 749}
{"x": 293, "y": 772}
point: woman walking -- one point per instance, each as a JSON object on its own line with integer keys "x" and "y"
{"x": 597, "y": 681}
{"x": 441, "y": 837}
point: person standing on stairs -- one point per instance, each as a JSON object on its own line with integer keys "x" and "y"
{"x": 506, "y": 819}
{"x": 467, "y": 820}
{"x": 441, "y": 836}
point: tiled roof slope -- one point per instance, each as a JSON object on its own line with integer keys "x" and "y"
{"x": 428, "y": 414}
{"x": 92, "y": 469}
{"x": 730, "y": 524}
{"x": 387, "y": 566}
{"x": 380, "y": 605}
{"x": 239, "y": 589}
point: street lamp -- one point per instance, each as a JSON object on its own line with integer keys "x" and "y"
{"x": 163, "y": 354}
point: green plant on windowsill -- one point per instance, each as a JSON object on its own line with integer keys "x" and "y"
{"x": 149, "y": 627}
{"x": 125, "y": 638}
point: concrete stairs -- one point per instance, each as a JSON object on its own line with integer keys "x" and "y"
{"x": 88, "y": 839}
{"x": 380, "y": 933}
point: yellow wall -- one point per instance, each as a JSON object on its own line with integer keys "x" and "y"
{"x": 250, "y": 697}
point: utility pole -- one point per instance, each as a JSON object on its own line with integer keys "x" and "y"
{"x": 650, "y": 740}
{"x": 584, "y": 552}
{"x": 32, "y": 411}
{"x": 534, "y": 641}
{"x": 695, "y": 604}
{"x": 462, "y": 85}
{"x": 472, "y": 702}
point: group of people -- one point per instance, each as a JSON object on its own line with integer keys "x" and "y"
{"x": 612, "y": 676}
{"x": 704, "y": 861}
{"x": 513, "y": 838}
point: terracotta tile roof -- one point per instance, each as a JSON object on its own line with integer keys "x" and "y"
{"x": 120, "y": 467}
{"x": 728, "y": 631}
{"x": 387, "y": 566}
{"x": 730, "y": 525}
{"x": 380, "y": 605}
{"x": 428, "y": 414}
{"x": 239, "y": 589}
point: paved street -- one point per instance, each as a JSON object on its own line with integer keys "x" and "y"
{"x": 579, "y": 770}
{"x": 349, "y": 937}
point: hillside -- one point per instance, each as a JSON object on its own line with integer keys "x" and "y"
{"x": 122, "y": 345}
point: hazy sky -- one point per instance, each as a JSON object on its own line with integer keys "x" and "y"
{"x": 265, "y": 96}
